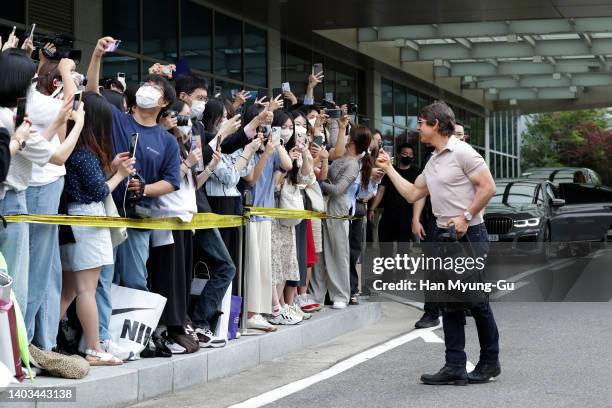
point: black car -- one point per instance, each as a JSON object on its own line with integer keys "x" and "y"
{"x": 559, "y": 175}
{"x": 521, "y": 214}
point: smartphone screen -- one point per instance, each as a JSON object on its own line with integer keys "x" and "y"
{"x": 112, "y": 47}
{"x": 329, "y": 96}
{"x": 318, "y": 67}
{"x": 318, "y": 141}
{"x": 133, "y": 144}
{"x": 31, "y": 34}
{"x": 334, "y": 113}
{"x": 263, "y": 93}
{"x": 275, "y": 135}
{"x": 285, "y": 87}
{"x": 121, "y": 75}
{"x": 21, "y": 112}
{"x": 78, "y": 97}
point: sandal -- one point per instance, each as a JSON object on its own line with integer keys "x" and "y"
{"x": 100, "y": 358}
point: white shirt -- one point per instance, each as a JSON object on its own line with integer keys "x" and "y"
{"x": 42, "y": 111}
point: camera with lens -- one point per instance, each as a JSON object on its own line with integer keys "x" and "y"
{"x": 328, "y": 105}
{"x": 63, "y": 47}
{"x": 352, "y": 108}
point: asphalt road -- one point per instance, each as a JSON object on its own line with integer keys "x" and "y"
{"x": 552, "y": 355}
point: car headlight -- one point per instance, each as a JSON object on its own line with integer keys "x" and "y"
{"x": 530, "y": 222}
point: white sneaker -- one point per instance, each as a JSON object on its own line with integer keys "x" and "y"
{"x": 285, "y": 317}
{"x": 339, "y": 305}
{"x": 116, "y": 350}
{"x": 258, "y": 322}
{"x": 299, "y": 312}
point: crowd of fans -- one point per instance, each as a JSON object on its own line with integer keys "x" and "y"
{"x": 80, "y": 145}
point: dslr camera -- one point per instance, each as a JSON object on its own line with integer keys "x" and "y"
{"x": 63, "y": 47}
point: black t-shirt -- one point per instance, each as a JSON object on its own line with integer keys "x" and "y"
{"x": 393, "y": 200}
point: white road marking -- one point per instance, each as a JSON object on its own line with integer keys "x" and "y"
{"x": 292, "y": 388}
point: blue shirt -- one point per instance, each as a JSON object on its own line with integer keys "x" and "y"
{"x": 263, "y": 191}
{"x": 85, "y": 179}
{"x": 157, "y": 153}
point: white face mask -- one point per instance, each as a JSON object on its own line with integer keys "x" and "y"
{"x": 286, "y": 134}
{"x": 185, "y": 129}
{"x": 197, "y": 109}
{"x": 300, "y": 130}
{"x": 312, "y": 121}
{"x": 147, "y": 97}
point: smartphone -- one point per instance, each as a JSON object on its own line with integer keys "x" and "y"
{"x": 78, "y": 97}
{"x": 31, "y": 35}
{"x": 329, "y": 96}
{"x": 275, "y": 134}
{"x": 21, "y": 111}
{"x": 218, "y": 90}
{"x": 196, "y": 142}
{"x": 112, "y": 47}
{"x": 318, "y": 141}
{"x": 334, "y": 113}
{"x": 318, "y": 67}
{"x": 234, "y": 92}
{"x": 276, "y": 92}
{"x": 285, "y": 87}
{"x": 133, "y": 144}
{"x": 121, "y": 75}
{"x": 263, "y": 93}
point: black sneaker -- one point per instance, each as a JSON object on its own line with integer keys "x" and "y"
{"x": 207, "y": 339}
{"x": 354, "y": 300}
{"x": 426, "y": 321}
{"x": 484, "y": 372}
{"x": 447, "y": 376}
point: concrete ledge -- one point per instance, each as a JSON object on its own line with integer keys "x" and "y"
{"x": 148, "y": 378}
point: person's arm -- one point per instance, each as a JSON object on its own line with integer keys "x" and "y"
{"x": 5, "y": 152}
{"x": 417, "y": 210}
{"x": 64, "y": 150}
{"x": 208, "y": 170}
{"x": 246, "y": 155}
{"x": 313, "y": 80}
{"x": 125, "y": 166}
{"x": 485, "y": 190}
{"x": 376, "y": 202}
{"x": 65, "y": 67}
{"x": 93, "y": 72}
{"x": 285, "y": 161}
{"x": 158, "y": 188}
{"x": 411, "y": 192}
{"x": 340, "y": 147}
{"x": 259, "y": 167}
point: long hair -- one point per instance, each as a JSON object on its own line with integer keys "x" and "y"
{"x": 212, "y": 115}
{"x": 280, "y": 117}
{"x": 97, "y": 129}
{"x": 16, "y": 73}
{"x": 178, "y": 105}
{"x": 361, "y": 136}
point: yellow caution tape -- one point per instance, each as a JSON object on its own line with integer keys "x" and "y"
{"x": 199, "y": 221}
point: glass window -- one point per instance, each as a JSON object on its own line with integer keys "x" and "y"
{"x": 228, "y": 47}
{"x": 424, "y": 100}
{"x": 412, "y": 109}
{"x": 400, "y": 136}
{"x": 387, "y": 139}
{"x": 498, "y": 166}
{"x": 346, "y": 85}
{"x": 14, "y": 11}
{"x": 120, "y": 20}
{"x": 399, "y": 99}
{"x": 121, "y": 63}
{"x": 255, "y": 56}
{"x": 386, "y": 91}
{"x": 329, "y": 82}
{"x": 297, "y": 68}
{"x": 196, "y": 28}
{"x": 159, "y": 29}
{"x": 516, "y": 193}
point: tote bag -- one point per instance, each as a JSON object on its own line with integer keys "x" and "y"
{"x": 291, "y": 199}
{"x": 136, "y": 314}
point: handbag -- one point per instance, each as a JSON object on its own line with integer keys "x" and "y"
{"x": 314, "y": 198}
{"x": 118, "y": 235}
{"x": 135, "y": 316}
{"x": 9, "y": 337}
{"x": 234, "y": 317}
{"x": 290, "y": 199}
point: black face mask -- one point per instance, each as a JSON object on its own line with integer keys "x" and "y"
{"x": 406, "y": 160}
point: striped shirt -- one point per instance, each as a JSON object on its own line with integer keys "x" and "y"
{"x": 225, "y": 178}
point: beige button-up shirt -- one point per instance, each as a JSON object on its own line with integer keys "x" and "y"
{"x": 447, "y": 177}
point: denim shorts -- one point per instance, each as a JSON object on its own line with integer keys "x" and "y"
{"x": 93, "y": 247}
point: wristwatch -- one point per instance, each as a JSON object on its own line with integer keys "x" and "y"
{"x": 22, "y": 143}
{"x": 468, "y": 216}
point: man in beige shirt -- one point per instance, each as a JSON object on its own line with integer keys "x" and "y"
{"x": 460, "y": 185}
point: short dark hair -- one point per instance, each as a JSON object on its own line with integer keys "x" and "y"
{"x": 443, "y": 114}
{"x": 188, "y": 83}
{"x": 404, "y": 146}
{"x": 458, "y": 122}
{"x": 169, "y": 94}
{"x": 17, "y": 71}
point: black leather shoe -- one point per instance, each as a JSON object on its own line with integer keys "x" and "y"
{"x": 484, "y": 372}
{"x": 427, "y": 321}
{"x": 447, "y": 376}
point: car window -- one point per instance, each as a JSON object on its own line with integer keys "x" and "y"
{"x": 516, "y": 193}
{"x": 540, "y": 197}
{"x": 550, "y": 192}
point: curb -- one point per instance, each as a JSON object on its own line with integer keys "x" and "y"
{"x": 144, "y": 379}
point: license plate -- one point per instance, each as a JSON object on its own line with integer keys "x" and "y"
{"x": 493, "y": 237}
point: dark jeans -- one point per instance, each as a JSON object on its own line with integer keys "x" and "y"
{"x": 453, "y": 319}
{"x": 355, "y": 242}
{"x": 207, "y": 309}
